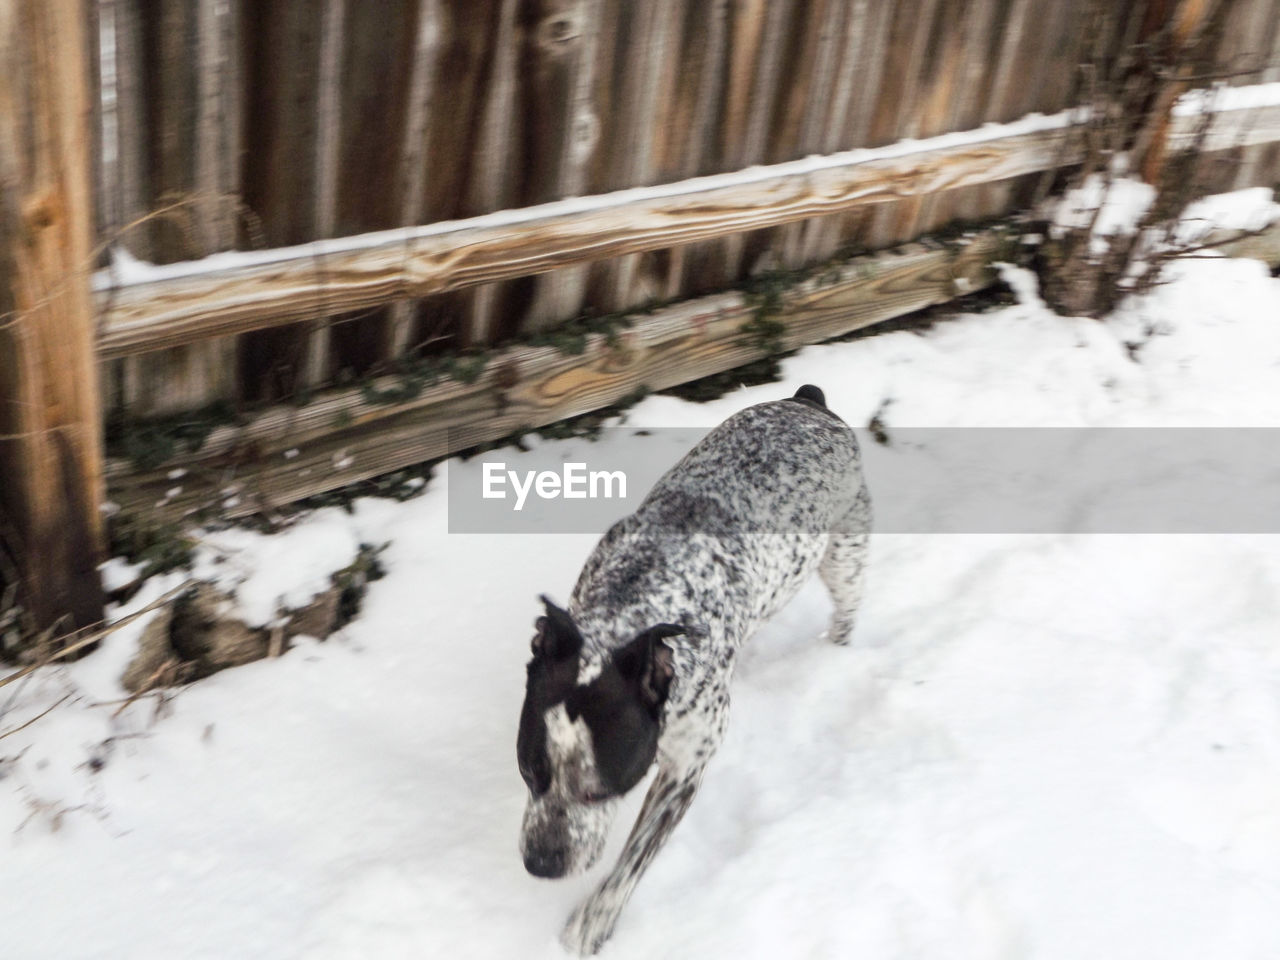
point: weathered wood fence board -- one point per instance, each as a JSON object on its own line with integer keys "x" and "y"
{"x": 50, "y": 448}
{"x": 292, "y": 452}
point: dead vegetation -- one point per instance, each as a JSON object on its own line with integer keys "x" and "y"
{"x": 200, "y": 633}
{"x": 1129, "y": 86}
{"x": 193, "y": 632}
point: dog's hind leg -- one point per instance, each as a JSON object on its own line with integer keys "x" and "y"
{"x": 843, "y": 567}
{"x": 665, "y": 804}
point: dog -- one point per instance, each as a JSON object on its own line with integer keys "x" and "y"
{"x": 637, "y": 669}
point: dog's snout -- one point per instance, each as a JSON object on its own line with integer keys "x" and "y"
{"x": 549, "y": 864}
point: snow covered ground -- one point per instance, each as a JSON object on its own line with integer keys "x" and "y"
{"x": 1039, "y": 746}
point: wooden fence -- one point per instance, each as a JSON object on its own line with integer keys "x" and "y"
{"x": 279, "y": 122}
{"x": 293, "y": 196}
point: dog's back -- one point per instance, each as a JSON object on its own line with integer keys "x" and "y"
{"x": 729, "y": 533}
{"x": 778, "y": 467}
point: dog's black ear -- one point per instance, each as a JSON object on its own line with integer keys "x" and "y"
{"x": 557, "y": 637}
{"x": 649, "y": 663}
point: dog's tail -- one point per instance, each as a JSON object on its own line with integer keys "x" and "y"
{"x": 812, "y": 394}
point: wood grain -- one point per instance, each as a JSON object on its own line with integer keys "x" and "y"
{"x": 415, "y": 152}
{"x": 706, "y": 58}
{"x": 328, "y": 150}
{"x": 308, "y": 281}
{"x": 565, "y": 46}
{"x": 809, "y": 105}
{"x": 121, "y": 160}
{"x": 341, "y": 437}
{"x": 769, "y": 29}
{"x": 177, "y": 80}
{"x": 653, "y": 42}
{"x": 50, "y": 451}
{"x": 494, "y": 183}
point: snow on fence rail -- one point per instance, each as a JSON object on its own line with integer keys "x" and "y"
{"x": 147, "y": 308}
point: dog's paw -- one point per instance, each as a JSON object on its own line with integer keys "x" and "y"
{"x": 588, "y": 928}
{"x": 840, "y": 630}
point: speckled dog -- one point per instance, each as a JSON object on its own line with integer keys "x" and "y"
{"x": 638, "y": 667}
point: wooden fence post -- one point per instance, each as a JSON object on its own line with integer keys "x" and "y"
{"x": 50, "y": 444}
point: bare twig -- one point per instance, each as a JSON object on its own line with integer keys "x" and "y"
{"x": 23, "y": 726}
{"x": 96, "y": 635}
{"x": 160, "y": 677}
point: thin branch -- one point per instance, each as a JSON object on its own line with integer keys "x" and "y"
{"x": 152, "y": 684}
{"x": 23, "y": 726}
{"x": 96, "y": 635}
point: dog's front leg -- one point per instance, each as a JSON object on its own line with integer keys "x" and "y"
{"x": 664, "y": 805}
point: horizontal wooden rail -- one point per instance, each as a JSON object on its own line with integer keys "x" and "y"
{"x": 146, "y": 309}
{"x": 287, "y": 453}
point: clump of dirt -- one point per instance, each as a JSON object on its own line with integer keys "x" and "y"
{"x": 200, "y": 634}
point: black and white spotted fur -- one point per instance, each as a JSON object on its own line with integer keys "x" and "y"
{"x": 638, "y": 668}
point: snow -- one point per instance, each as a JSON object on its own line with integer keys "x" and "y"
{"x": 1250, "y": 209}
{"x": 269, "y": 575}
{"x": 118, "y": 573}
{"x": 1040, "y": 746}
{"x": 1120, "y": 203}
{"x": 1221, "y": 98}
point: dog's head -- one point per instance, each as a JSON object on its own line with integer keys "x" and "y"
{"x": 588, "y": 734}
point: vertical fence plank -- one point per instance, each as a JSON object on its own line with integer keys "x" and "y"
{"x": 1252, "y": 43}
{"x": 768, "y": 28}
{"x": 217, "y": 106}
{"x": 385, "y": 157}
{"x": 493, "y": 187}
{"x": 50, "y": 448}
{"x": 970, "y": 106}
{"x": 811, "y": 101}
{"x": 160, "y": 55}
{"x": 176, "y": 73}
{"x": 950, "y": 59}
{"x": 415, "y": 151}
{"x": 853, "y": 104}
{"x": 327, "y": 151}
{"x": 281, "y": 64}
{"x": 652, "y": 41}
{"x": 127, "y": 180}
{"x": 120, "y": 152}
{"x": 704, "y": 53}
{"x": 870, "y": 56}
{"x": 1271, "y": 72}
{"x": 900, "y": 114}
{"x": 217, "y": 156}
{"x": 1006, "y": 86}
{"x": 565, "y": 43}
{"x": 107, "y": 198}
{"x": 122, "y": 118}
